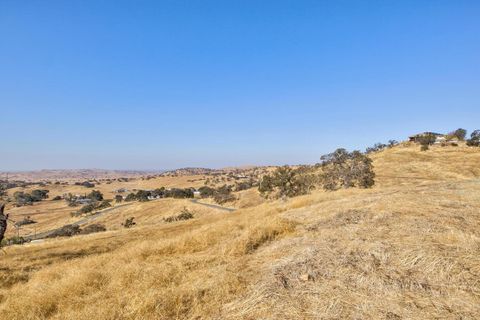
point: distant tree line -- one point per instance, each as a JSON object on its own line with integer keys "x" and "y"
{"x": 86, "y": 184}
{"x": 146, "y": 195}
{"x": 22, "y": 198}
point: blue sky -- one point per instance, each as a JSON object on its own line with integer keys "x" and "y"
{"x": 166, "y": 84}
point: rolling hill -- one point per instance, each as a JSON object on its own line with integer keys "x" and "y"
{"x": 407, "y": 248}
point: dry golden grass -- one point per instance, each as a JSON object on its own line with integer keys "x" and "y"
{"x": 407, "y": 248}
{"x": 55, "y": 214}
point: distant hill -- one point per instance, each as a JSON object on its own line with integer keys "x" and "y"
{"x": 75, "y": 174}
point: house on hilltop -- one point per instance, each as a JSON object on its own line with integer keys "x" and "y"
{"x": 439, "y": 138}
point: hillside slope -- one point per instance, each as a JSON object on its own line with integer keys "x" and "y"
{"x": 407, "y": 248}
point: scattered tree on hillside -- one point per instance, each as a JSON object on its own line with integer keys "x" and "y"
{"x": 223, "y": 195}
{"x": 130, "y": 197}
{"x": 343, "y": 169}
{"x": 23, "y": 198}
{"x": 426, "y": 140}
{"x": 142, "y": 195}
{"x": 289, "y": 182}
{"x": 376, "y": 147}
{"x": 474, "y": 140}
{"x": 244, "y": 185}
{"x": 206, "y": 192}
{"x": 460, "y": 134}
{"x": 392, "y": 143}
{"x": 95, "y": 195}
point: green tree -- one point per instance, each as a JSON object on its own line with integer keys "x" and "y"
{"x": 460, "y": 134}
{"x": 474, "y": 140}
{"x": 426, "y": 140}
{"x": 95, "y": 195}
{"x": 342, "y": 169}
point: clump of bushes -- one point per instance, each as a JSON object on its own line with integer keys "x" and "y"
{"x": 70, "y": 230}
{"x": 288, "y": 182}
{"x": 184, "y": 215}
{"x": 380, "y": 146}
{"x": 13, "y": 240}
{"x": 223, "y": 195}
{"x": 95, "y": 195}
{"x": 57, "y": 198}
{"x": 343, "y": 169}
{"x": 426, "y": 140}
{"x": 220, "y": 195}
{"x": 129, "y": 223}
{"x": 206, "y": 192}
{"x": 146, "y": 195}
{"x": 97, "y": 205}
{"x": 86, "y": 184}
{"x": 23, "y": 198}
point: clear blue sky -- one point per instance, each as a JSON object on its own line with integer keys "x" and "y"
{"x": 165, "y": 84}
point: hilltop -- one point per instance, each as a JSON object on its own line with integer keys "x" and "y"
{"x": 408, "y": 247}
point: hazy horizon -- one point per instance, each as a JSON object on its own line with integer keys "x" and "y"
{"x": 172, "y": 84}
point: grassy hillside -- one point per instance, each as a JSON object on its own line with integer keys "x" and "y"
{"x": 407, "y": 248}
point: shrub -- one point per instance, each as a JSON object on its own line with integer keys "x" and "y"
{"x": 24, "y": 221}
{"x": 129, "y": 223}
{"x": 392, "y": 143}
{"x": 130, "y": 197}
{"x": 426, "y": 140}
{"x": 206, "y": 192}
{"x": 342, "y": 169}
{"x": 240, "y": 186}
{"x": 223, "y": 195}
{"x": 85, "y": 184}
{"x": 57, "y": 198}
{"x": 376, "y": 147}
{"x": 180, "y": 193}
{"x": 87, "y": 208}
{"x": 65, "y": 231}
{"x": 266, "y": 185}
{"x": 95, "y": 195}
{"x": 14, "y": 240}
{"x": 142, "y": 195}
{"x": 93, "y": 228}
{"x": 184, "y": 215}
{"x": 23, "y": 198}
{"x": 104, "y": 204}
{"x": 39, "y": 195}
{"x": 118, "y": 198}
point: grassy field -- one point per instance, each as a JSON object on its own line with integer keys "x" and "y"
{"x": 407, "y": 248}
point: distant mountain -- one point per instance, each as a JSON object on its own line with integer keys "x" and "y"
{"x": 189, "y": 171}
{"x": 75, "y": 174}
